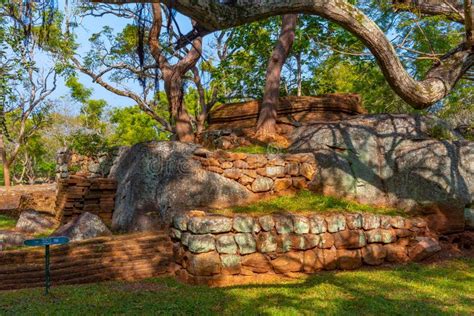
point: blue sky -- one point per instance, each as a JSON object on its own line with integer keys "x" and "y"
{"x": 88, "y": 26}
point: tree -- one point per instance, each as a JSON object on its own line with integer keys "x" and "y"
{"x": 131, "y": 126}
{"x": 438, "y": 81}
{"x": 266, "y": 124}
{"x": 28, "y": 84}
{"x": 155, "y": 62}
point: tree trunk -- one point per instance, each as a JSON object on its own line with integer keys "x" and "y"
{"x": 298, "y": 75}
{"x": 266, "y": 124}
{"x": 181, "y": 118}
{"x": 6, "y": 165}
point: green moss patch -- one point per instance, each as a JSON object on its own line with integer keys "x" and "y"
{"x": 307, "y": 202}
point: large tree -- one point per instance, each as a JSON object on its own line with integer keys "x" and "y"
{"x": 26, "y": 83}
{"x": 143, "y": 52}
{"x": 438, "y": 81}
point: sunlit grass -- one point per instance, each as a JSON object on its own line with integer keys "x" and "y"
{"x": 438, "y": 289}
{"x": 306, "y": 201}
{"x": 7, "y": 222}
{"x": 259, "y": 149}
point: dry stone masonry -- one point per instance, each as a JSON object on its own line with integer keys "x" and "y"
{"x": 77, "y": 195}
{"x": 260, "y": 172}
{"x": 215, "y": 250}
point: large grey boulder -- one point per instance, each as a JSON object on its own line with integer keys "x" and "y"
{"x": 35, "y": 222}
{"x": 157, "y": 180}
{"x": 83, "y": 227}
{"x": 393, "y": 160}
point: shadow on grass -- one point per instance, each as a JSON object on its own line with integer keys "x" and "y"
{"x": 445, "y": 288}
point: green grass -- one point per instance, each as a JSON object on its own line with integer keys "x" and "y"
{"x": 7, "y": 222}
{"x": 259, "y": 149}
{"x": 306, "y": 201}
{"x": 439, "y": 289}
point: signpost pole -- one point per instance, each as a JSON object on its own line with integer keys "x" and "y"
{"x": 46, "y": 242}
{"x": 47, "y": 270}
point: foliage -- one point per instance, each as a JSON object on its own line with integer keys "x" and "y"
{"x": 306, "y": 201}
{"x": 88, "y": 143}
{"x": 132, "y": 126}
{"x": 443, "y": 288}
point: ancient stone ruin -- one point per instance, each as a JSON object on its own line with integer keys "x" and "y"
{"x": 220, "y": 250}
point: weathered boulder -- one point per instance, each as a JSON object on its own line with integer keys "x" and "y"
{"x": 425, "y": 248}
{"x": 10, "y": 238}
{"x": 35, "y": 222}
{"x": 392, "y": 160}
{"x": 162, "y": 178}
{"x": 83, "y": 227}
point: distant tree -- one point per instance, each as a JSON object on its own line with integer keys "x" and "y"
{"x": 131, "y": 126}
{"x": 27, "y": 82}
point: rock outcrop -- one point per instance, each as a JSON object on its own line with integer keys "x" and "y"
{"x": 35, "y": 222}
{"x": 83, "y": 227}
{"x": 393, "y": 160}
{"x": 159, "y": 179}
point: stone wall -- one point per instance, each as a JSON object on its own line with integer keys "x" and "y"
{"x": 71, "y": 163}
{"x": 38, "y": 197}
{"x": 130, "y": 257}
{"x": 260, "y": 172}
{"x": 77, "y": 195}
{"x": 216, "y": 250}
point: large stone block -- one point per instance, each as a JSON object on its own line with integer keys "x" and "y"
{"x": 326, "y": 240}
{"x": 201, "y": 243}
{"x": 349, "y": 259}
{"x": 225, "y": 244}
{"x": 349, "y": 239}
{"x": 328, "y": 257}
{"x": 246, "y": 243}
{"x": 313, "y": 260}
{"x": 266, "y": 242}
{"x": 230, "y": 264}
{"x": 378, "y": 235}
{"x": 257, "y": 263}
{"x": 284, "y": 243}
{"x": 262, "y": 184}
{"x": 283, "y": 224}
{"x": 289, "y": 262}
{"x": 266, "y": 222}
{"x": 374, "y": 254}
{"x": 245, "y": 224}
{"x": 317, "y": 224}
{"x": 370, "y": 221}
{"x": 204, "y": 264}
{"x": 209, "y": 224}
{"x": 300, "y": 224}
{"x": 396, "y": 252}
{"x": 336, "y": 222}
{"x": 424, "y": 248}
{"x": 282, "y": 184}
{"x": 181, "y": 222}
{"x": 354, "y": 221}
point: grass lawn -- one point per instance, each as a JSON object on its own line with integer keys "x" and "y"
{"x": 306, "y": 201}
{"x": 7, "y": 222}
{"x": 436, "y": 289}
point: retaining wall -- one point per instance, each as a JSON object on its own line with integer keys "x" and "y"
{"x": 131, "y": 257}
{"x": 77, "y": 195}
{"x": 261, "y": 172}
{"x": 218, "y": 250}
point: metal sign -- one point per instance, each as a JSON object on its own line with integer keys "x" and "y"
{"x": 46, "y": 242}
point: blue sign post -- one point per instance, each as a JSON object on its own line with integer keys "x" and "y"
{"x": 46, "y": 242}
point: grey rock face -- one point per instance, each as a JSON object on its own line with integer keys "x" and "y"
{"x": 35, "y": 222}
{"x": 392, "y": 160}
{"x": 83, "y": 227}
{"x": 162, "y": 177}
